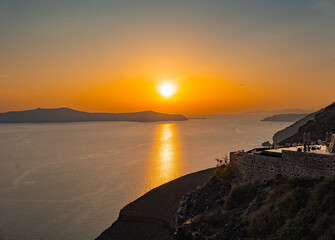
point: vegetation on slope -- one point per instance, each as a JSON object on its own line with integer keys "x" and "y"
{"x": 279, "y": 209}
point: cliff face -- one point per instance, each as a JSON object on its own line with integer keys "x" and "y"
{"x": 292, "y": 129}
{"x": 324, "y": 121}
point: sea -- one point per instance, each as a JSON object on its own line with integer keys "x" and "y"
{"x": 68, "y": 181}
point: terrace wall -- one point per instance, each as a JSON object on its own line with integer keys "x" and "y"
{"x": 251, "y": 167}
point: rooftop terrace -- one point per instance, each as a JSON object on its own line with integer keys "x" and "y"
{"x": 277, "y": 152}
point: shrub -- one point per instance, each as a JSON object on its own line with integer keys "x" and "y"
{"x": 277, "y": 192}
{"x": 301, "y": 182}
{"x": 297, "y": 209}
{"x": 224, "y": 171}
{"x": 240, "y": 195}
{"x": 323, "y": 196}
{"x": 269, "y": 220}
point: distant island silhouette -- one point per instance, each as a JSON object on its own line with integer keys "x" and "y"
{"x": 287, "y": 117}
{"x": 49, "y": 115}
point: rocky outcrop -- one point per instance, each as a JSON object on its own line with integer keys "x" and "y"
{"x": 266, "y": 144}
{"x": 203, "y": 200}
{"x": 151, "y": 217}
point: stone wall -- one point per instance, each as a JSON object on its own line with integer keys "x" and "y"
{"x": 308, "y": 164}
{"x": 292, "y": 164}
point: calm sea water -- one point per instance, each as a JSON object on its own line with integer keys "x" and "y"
{"x": 69, "y": 180}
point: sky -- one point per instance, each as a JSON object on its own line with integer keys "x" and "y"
{"x": 223, "y": 56}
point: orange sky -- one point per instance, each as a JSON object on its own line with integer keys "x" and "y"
{"x": 223, "y": 57}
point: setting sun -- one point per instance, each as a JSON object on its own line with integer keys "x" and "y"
{"x": 167, "y": 89}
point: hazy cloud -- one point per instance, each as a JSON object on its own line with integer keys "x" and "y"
{"x": 327, "y": 5}
{"x": 4, "y": 76}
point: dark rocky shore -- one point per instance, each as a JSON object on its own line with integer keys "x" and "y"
{"x": 152, "y": 216}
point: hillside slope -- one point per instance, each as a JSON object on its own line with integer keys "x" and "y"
{"x": 279, "y": 209}
{"x": 292, "y": 129}
{"x": 324, "y": 121}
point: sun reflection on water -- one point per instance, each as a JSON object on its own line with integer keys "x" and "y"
{"x": 165, "y": 165}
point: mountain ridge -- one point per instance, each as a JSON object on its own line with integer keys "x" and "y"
{"x": 63, "y": 114}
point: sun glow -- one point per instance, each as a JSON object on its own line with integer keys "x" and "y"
{"x": 167, "y": 89}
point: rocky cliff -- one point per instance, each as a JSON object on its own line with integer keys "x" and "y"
{"x": 324, "y": 121}
{"x": 292, "y": 129}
